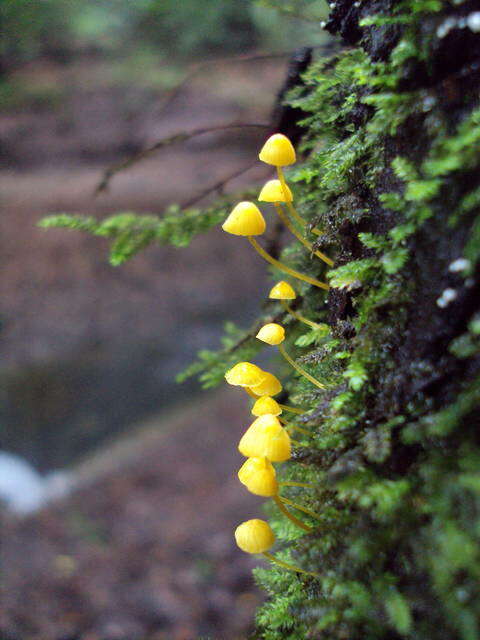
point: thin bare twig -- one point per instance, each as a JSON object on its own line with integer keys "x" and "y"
{"x": 198, "y": 67}
{"x": 165, "y": 142}
{"x": 217, "y": 186}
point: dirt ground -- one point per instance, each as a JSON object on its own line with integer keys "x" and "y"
{"x": 143, "y": 550}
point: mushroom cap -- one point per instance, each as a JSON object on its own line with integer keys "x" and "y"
{"x": 245, "y": 374}
{"x": 266, "y": 437}
{"x": 264, "y": 405}
{"x": 272, "y": 192}
{"x": 258, "y": 475}
{"x": 278, "y": 150}
{"x": 271, "y": 333}
{"x": 282, "y": 291}
{"x": 254, "y": 536}
{"x": 269, "y": 386}
{"x": 245, "y": 220}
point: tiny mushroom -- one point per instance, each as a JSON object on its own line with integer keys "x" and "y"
{"x": 266, "y": 404}
{"x": 272, "y": 192}
{"x": 269, "y": 386}
{"x": 278, "y": 151}
{"x": 245, "y": 374}
{"x": 283, "y": 291}
{"x": 274, "y": 334}
{"x": 259, "y": 476}
{"x": 271, "y": 333}
{"x": 266, "y": 437}
{"x": 246, "y": 220}
{"x": 256, "y": 536}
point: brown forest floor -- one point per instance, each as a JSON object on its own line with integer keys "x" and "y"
{"x": 143, "y": 549}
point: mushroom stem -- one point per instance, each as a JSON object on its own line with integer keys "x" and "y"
{"x": 290, "y": 516}
{"x": 285, "y": 407}
{"x": 283, "y": 267}
{"x": 299, "y": 369}
{"x": 287, "y": 425}
{"x": 291, "y": 208}
{"x": 299, "y": 316}
{"x": 287, "y": 483}
{"x": 305, "y": 432}
{"x": 293, "y": 212}
{"x": 300, "y": 507}
{"x": 284, "y": 218}
{"x": 285, "y": 565}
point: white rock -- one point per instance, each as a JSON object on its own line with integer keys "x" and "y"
{"x": 446, "y": 26}
{"x": 473, "y": 21}
{"x": 23, "y": 489}
{"x": 461, "y": 264}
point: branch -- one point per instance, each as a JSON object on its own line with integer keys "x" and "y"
{"x": 217, "y": 186}
{"x": 198, "y": 67}
{"x": 205, "y": 64}
{"x": 165, "y": 142}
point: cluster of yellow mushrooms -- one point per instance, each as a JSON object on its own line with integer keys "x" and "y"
{"x": 267, "y": 440}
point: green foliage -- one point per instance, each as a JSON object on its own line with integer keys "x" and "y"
{"x": 31, "y": 28}
{"x": 352, "y": 274}
{"x": 131, "y": 233}
{"x": 218, "y": 26}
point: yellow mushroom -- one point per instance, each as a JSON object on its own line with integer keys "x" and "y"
{"x": 258, "y": 475}
{"x": 274, "y": 334}
{"x": 245, "y": 374}
{"x": 246, "y": 220}
{"x": 272, "y": 192}
{"x": 266, "y": 437}
{"x": 283, "y": 291}
{"x": 256, "y": 536}
{"x": 256, "y": 382}
{"x": 279, "y": 152}
{"x": 266, "y": 404}
{"x": 269, "y": 386}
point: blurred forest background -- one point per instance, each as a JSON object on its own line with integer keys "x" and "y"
{"x": 138, "y": 543}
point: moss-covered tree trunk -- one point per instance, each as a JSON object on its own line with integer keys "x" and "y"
{"x": 393, "y": 177}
